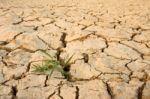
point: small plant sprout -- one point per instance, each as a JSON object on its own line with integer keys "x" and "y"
{"x": 50, "y": 65}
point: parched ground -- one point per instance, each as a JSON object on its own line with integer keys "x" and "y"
{"x": 110, "y": 40}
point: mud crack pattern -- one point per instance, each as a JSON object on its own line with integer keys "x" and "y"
{"x": 110, "y": 39}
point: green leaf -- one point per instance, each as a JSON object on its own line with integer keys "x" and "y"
{"x": 46, "y": 54}
{"x": 67, "y": 61}
{"x": 50, "y": 65}
{"x": 39, "y": 68}
{"x": 49, "y": 73}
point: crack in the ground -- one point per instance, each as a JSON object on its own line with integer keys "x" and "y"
{"x": 147, "y": 45}
{"x": 53, "y": 21}
{"x": 77, "y": 92}
{"x": 24, "y": 49}
{"x": 45, "y": 42}
{"x": 3, "y": 61}
{"x": 106, "y": 41}
{"x": 116, "y": 57}
{"x": 133, "y": 35}
{"x": 131, "y": 72}
{"x": 140, "y": 91}
{"x": 3, "y": 42}
{"x": 85, "y": 26}
{"x": 85, "y": 57}
{"x": 82, "y": 38}
{"x": 141, "y": 54}
{"x": 14, "y": 92}
{"x": 59, "y": 92}
{"x": 49, "y": 97}
{"x": 45, "y": 83}
{"x": 99, "y": 18}
{"x": 16, "y": 23}
{"x": 7, "y": 42}
{"x": 109, "y": 90}
{"x": 35, "y": 28}
{"x": 75, "y": 79}
{"x": 60, "y": 27}
{"x": 62, "y": 39}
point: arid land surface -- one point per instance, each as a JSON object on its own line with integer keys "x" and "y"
{"x": 110, "y": 40}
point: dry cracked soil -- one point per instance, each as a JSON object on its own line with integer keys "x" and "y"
{"x": 110, "y": 39}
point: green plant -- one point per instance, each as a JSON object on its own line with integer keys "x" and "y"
{"x": 48, "y": 66}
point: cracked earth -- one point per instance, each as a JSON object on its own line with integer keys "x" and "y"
{"x": 110, "y": 40}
